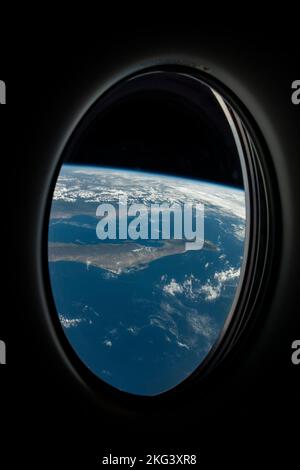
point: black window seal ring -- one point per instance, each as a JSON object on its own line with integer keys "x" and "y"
{"x": 263, "y": 244}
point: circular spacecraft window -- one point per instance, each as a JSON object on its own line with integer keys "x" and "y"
{"x": 153, "y": 216}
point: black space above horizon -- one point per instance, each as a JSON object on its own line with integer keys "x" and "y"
{"x": 160, "y": 132}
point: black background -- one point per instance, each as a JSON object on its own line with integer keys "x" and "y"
{"x": 248, "y": 410}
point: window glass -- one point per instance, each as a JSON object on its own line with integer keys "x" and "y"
{"x": 147, "y": 232}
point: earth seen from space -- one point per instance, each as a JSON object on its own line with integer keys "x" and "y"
{"x": 142, "y": 314}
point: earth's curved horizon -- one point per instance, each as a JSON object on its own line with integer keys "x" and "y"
{"x": 142, "y": 315}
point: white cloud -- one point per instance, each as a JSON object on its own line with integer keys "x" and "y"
{"x": 211, "y": 292}
{"x": 187, "y": 287}
{"x": 182, "y": 345}
{"x": 213, "y": 289}
{"x": 239, "y": 231}
{"x": 173, "y": 288}
{"x": 227, "y": 274}
{"x": 134, "y": 330}
{"x": 107, "y": 343}
{"x": 192, "y": 288}
{"x": 201, "y": 324}
{"x": 102, "y": 184}
{"x": 70, "y": 322}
